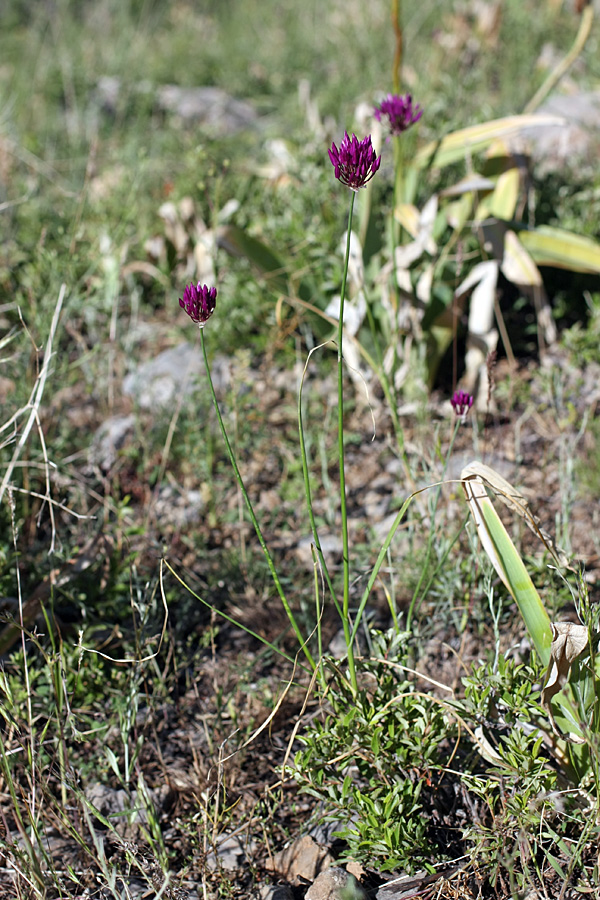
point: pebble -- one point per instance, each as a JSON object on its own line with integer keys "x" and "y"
{"x": 336, "y": 884}
{"x": 275, "y": 892}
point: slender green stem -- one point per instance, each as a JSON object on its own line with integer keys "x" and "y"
{"x": 395, "y": 236}
{"x": 413, "y": 603}
{"x": 343, "y": 508}
{"x": 253, "y": 518}
{"x": 309, "y": 504}
{"x": 398, "y": 174}
{"x": 318, "y": 611}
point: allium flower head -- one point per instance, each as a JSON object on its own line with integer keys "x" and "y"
{"x": 461, "y": 403}
{"x": 199, "y": 302}
{"x": 399, "y": 112}
{"x": 355, "y": 162}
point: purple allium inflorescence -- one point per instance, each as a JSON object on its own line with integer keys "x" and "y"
{"x": 399, "y": 112}
{"x": 199, "y": 302}
{"x": 355, "y": 162}
{"x": 461, "y": 403}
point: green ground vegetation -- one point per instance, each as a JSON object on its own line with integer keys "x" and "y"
{"x": 151, "y": 710}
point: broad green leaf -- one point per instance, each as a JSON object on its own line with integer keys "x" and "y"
{"x": 508, "y": 564}
{"x": 510, "y": 568}
{"x": 505, "y": 196}
{"x": 476, "y": 138}
{"x": 562, "y": 249}
{"x": 517, "y": 265}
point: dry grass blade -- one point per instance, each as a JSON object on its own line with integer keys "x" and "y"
{"x": 36, "y": 395}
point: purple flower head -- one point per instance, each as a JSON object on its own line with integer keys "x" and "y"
{"x": 355, "y": 162}
{"x": 399, "y": 112}
{"x": 461, "y": 403}
{"x": 199, "y": 302}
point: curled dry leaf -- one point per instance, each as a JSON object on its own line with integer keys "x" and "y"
{"x": 569, "y": 640}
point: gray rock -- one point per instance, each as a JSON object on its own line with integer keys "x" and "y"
{"x": 179, "y": 507}
{"x": 275, "y": 892}
{"x": 107, "y": 93}
{"x": 211, "y": 106}
{"x": 109, "y": 439}
{"x": 157, "y": 383}
{"x": 577, "y": 140}
{"x": 331, "y": 545}
{"x": 230, "y": 853}
{"x": 336, "y": 884}
{"x": 382, "y": 528}
{"x": 301, "y": 861}
{"x": 127, "y": 811}
{"x": 322, "y": 832}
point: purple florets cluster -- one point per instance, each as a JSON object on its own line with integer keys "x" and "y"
{"x": 355, "y": 162}
{"x": 199, "y": 302}
{"x": 461, "y": 403}
{"x": 399, "y": 112}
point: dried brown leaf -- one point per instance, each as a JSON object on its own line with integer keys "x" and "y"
{"x": 569, "y": 640}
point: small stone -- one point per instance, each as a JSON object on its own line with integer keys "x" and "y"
{"x": 303, "y": 859}
{"x": 212, "y": 107}
{"x": 229, "y": 854}
{"x": 336, "y": 884}
{"x": 355, "y": 868}
{"x": 275, "y": 892}
{"x": 156, "y": 383}
{"x": 572, "y": 142}
{"x": 109, "y": 439}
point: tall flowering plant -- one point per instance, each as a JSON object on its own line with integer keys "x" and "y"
{"x": 355, "y": 163}
{"x": 199, "y": 302}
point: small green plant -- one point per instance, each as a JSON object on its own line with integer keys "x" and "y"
{"x": 530, "y": 820}
{"x": 373, "y": 758}
{"x": 567, "y": 650}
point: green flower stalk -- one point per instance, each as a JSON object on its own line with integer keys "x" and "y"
{"x": 355, "y": 163}
{"x": 199, "y": 302}
{"x": 399, "y": 113}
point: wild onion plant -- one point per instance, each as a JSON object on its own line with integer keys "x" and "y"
{"x": 355, "y": 163}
